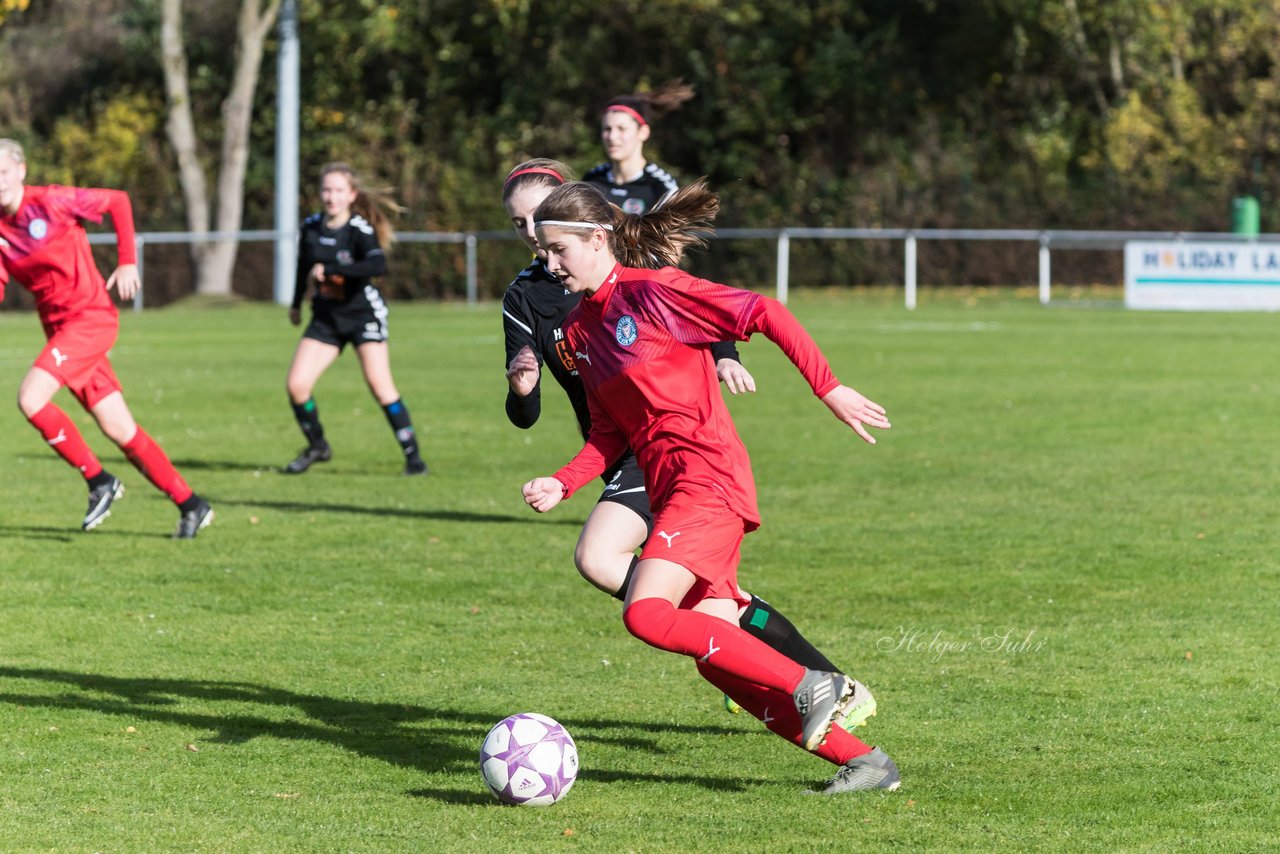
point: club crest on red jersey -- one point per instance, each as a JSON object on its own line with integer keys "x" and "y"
{"x": 626, "y": 331}
{"x": 37, "y": 228}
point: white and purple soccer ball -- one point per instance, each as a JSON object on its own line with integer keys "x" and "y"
{"x": 529, "y": 760}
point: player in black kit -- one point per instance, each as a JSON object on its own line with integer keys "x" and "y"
{"x": 627, "y": 179}
{"x": 340, "y": 251}
{"x": 533, "y": 310}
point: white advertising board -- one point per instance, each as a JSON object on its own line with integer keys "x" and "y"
{"x": 1202, "y": 276}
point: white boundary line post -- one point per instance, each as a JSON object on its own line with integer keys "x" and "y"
{"x": 138, "y": 242}
{"x": 784, "y": 266}
{"x": 1044, "y": 269}
{"x": 910, "y": 264}
{"x": 288, "y": 86}
{"x": 472, "y": 295}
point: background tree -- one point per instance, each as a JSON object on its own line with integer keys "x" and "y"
{"x": 991, "y": 113}
{"x": 214, "y": 261}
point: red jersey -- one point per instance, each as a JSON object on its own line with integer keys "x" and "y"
{"x": 640, "y": 344}
{"x": 44, "y": 246}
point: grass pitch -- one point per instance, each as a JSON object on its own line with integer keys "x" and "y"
{"x": 1057, "y": 572}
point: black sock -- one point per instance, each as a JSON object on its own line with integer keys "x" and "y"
{"x": 102, "y": 478}
{"x": 398, "y": 417}
{"x": 190, "y": 504}
{"x": 309, "y": 420}
{"x": 761, "y": 620}
{"x": 621, "y": 595}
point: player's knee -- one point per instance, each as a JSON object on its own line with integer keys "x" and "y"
{"x": 29, "y": 404}
{"x": 383, "y": 391}
{"x": 649, "y": 620}
{"x": 298, "y": 390}
{"x": 119, "y": 431}
{"x": 600, "y": 566}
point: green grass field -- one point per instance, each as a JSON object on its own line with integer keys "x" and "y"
{"x": 1058, "y": 572}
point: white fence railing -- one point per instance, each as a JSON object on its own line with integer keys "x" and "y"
{"x": 1047, "y": 239}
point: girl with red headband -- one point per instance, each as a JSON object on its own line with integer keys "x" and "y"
{"x": 533, "y": 311}
{"x": 629, "y": 180}
{"x": 639, "y": 335}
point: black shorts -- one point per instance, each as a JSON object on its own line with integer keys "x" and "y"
{"x": 626, "y": 487}
{"x": 360, "y": 321}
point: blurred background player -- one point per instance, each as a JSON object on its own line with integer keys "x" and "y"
{"x": 44, "y": 246}
{"x": 340, "y": 251}
{"x": 533, "y": 311}
{"x": 628, "y": 179}
{"x": 642, "y": 327}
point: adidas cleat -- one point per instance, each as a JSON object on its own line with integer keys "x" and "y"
{"x": 820, "y": 698}
{"x": 874, "y": 770}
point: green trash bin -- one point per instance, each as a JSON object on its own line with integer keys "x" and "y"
{"x": 1244, "y": 215}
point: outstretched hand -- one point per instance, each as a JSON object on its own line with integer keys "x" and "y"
{"x": 125, "y": 280}
{"x": 543, "y": 493}
{"x": 855, "y": 410}
{"x": 522, "y": 373}
{"x": 735, "y": 376}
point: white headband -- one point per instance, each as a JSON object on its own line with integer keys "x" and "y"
{"x": 540, "y": 223}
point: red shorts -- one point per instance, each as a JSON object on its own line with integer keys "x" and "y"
{"x": 699, "y": 531}
{"x": 77, "y": 355}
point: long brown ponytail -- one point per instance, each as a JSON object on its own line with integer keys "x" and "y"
{"x": 658, "y": 238}
{"x": 646, "y": 106}
{"x": 372, "y": 203}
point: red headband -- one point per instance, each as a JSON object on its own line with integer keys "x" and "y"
{"x": 537, "y": 170}
{"x": 623, "y": 108}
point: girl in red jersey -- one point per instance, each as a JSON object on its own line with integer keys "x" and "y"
{"x": 43, "y": 245}
{"x": 639, "y": 336}
{"x": 340, "y": 252}
{"x": 628, "y": 179}
{"x": 534, "y": 308}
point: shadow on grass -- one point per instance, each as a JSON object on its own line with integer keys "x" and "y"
{"x": 431, "y": 740}
{"x": 321, "y": 470}
{"x": 226, "y": 465}
{"x": 476, "y": 796}
{"x": 39, "y": 532}
{"x": 404, "y": 512}
{"x": 277, "y": 469}
{"x": 71, "y": 534}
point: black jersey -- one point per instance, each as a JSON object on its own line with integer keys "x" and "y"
{"x": 350, "y": 251}
{"x": 533, "y": 312}
{"x": 533, "y": 309}
{"x": 634, "y": 197}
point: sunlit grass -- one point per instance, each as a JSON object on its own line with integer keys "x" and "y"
{"x": 1057, "y": 571}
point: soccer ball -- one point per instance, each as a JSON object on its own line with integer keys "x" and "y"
{"x": 528, "y": 760}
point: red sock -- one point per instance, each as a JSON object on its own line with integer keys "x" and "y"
{"x": 722, "y": 645}
{"x": 778, "y": 712}
{"x": 61, "y": 434}
{"x": 147, "y": 458}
